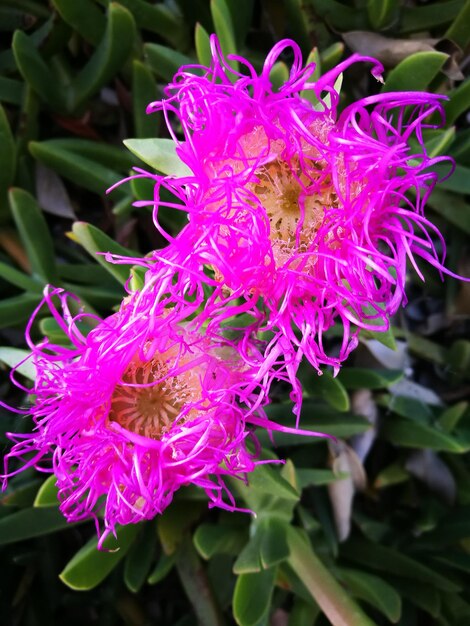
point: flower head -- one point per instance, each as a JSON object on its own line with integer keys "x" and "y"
{"x": 142, "y": 405}
{"x": 311, "y": 211}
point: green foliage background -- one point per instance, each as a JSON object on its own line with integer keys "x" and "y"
{"x": 374, "y": 529}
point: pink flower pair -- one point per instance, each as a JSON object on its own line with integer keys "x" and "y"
{"x": 299, "y": 220}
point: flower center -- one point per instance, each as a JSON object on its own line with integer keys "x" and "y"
{"x": 151, "y": 411}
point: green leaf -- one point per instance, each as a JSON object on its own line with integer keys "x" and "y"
{"x": 458, "y": 31}
{"x": 13, "y": 356}
{"x": 211, "y": 539}
{"x": 203, "y": 48}
{"x": 339, "y": 16}
{"x": 108, "y": 58}
{"x": 11, "y": 91}
{"x": 140, "y": 557}
{"x": 144, "y": 91}
{"x": 403, "y": 432}
{"x": 20, "y": 495}
{"x": 450, "y": 418}
{"x": 298, "y": 21}
{"x": 36, "y": 72}
{"x": 278, "y": 75}
{"x": 327, "y": 388}
{"x": 19, "y": 279}
{"x": 159, "y": 154}
{"x": 439, "y": 142}
{"x": 386, "y": 338}
{"x": 47, "y": 494}
{"x": 173, "y": 525}
{"x": 29, "y": 523}
{"x": 84, "y": 17}
{"x": 252, "y": 597}
{"x": 315, "y": 417}
{"x": 159, "y": 18}
{"x": 417, "y": 19}
{"x": 7, "y": 160}
{"x": 267, "y": 481}
{"x": 34, "y": 233}
{"x": 274, "y": 547}
{"x": 248, "y": 561}
{"x": 458, "y": 102}
{"x": 113, "y": 157}
{"x": 331, "y": 56}
{"x": 225, "y": 32}
{"x": 164, "y": 61}
{"x": 339, "y": 608}
{"x": 393, "y": 474}
{"x": 374, "y": 591}
{"x": 95, "y": 241}
{"x": 163, "y": 567}
{"x": 367, "y": 378}
{"x": 17, "y": 309}
{"x": 381, "y": 12}
{"x": 452, "y": 207}
{"x": 76, "y": 168}
{"x": 415, "y": 72}
{"x": 91, "y": 566}
{"x": 388, "y": 560}
{"x": 458, "y": 182}
{"x": 316, "y": 477}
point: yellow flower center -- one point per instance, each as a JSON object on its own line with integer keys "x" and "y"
{"x": 151, "y": 411}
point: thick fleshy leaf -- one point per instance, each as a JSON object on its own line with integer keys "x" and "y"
{"x": 458, "y": 31}
{"x": 403, "y": 432}
{"x": 144, "y": 90}
{"x": 459, "y": 182}
{"x": 374, "y": 591}
{"x": 11, "y": 91}
{"x": 327, "y": 388}
{"x": 7, "y": 161}
{"x": 17, "y": 309}
{"x": 452, "y": 207}
{"x": 91, "y": 566}
{"x": 36, "y": 71}
{"x": 35, "y": 235}
{"x": 47, "y": 494}
{"x": 338, "y": 15}
{"x": 82, "y": 171}
{"x": 140, "y": 557}
{"x": 202, "y": 43}
{"x": 84, "y": 17}
{"x": 108, "y": 58}
{"x": 367, "y": 378}
{"x": 211, "y": 539}
{"x": 252, "y": 597}
{"x": 381, "y": 12}
{"x": 164, "y": 61}
{"x": 278, "y": 75}
{"x": 96, "y": 242}
{"x": 421, "y": 18}
{"x": 416, "y": 72}
{"x": 224, "y": 29}
{"x": 339, "y": 608}
{"x": 163, "y": 567}
{"x": 29, "y": 523}
{"x": 159, "y": 154}
{"x": 161, "y": 18}
{"x": 392, "y": 561}
{"x": 13, "y": 356}
{"x": 19, "y": 279}
{"x": 458, "y": 102}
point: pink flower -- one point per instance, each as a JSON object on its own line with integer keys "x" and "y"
{"x": 301, "y": 214}
{"x": 142, "y": 405}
